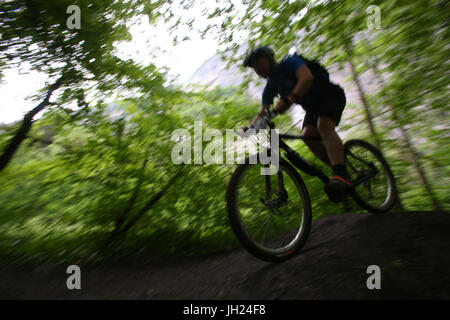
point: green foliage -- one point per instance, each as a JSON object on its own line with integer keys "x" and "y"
{"x": 36, "y": 32}
{"x": 81, "y": 168}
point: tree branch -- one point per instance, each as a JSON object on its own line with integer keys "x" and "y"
{"x": 25, "y": 127}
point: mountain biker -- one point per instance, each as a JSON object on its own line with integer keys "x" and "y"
{"x": 323, "y": 101}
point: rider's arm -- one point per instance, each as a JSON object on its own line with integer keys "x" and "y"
{"x": 294, "y": 66}
{"x": 304, "y": 82}
{"x": 282, "y": 105}
{"x": 261, "y": 112}
{"x": 267, "y": 99}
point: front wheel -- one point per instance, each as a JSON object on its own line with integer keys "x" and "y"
{"x": 374, "y": 184}
{"x": 270, "y": 214}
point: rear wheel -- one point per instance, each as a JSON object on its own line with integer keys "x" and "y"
{"x": 270, "y": 221}
{"x": 374, "y": 184}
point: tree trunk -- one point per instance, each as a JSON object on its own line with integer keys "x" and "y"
{"x": 420, "y": 171}
{"x": 364, "y": 102}
{"x": 409, "y": 147}
{"x": 25, "y": 127}
{"x": 362, "y": 97}
{"x": 132, "y": 200}
{"x": 398, "y": 204}
{"x": 122, "y": 231}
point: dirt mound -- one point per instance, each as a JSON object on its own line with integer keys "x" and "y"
{"x": 411, "y": 250}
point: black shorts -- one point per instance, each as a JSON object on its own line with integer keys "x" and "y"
{"x": 331, "y": 105}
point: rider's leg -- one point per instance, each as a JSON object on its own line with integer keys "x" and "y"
{"x": 316, "y": 147}
{"x": 334, "y": 146}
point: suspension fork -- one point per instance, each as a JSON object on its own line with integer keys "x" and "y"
{"x": 268, "y": 186}
{"x": 282, "y": 193}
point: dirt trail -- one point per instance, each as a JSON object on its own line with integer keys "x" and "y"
{"x": 411, "y": 249}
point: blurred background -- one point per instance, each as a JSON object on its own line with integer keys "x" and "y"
{"x": 87, "y": 114}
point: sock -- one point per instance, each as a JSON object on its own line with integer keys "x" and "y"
{"x": 339, "y": 170}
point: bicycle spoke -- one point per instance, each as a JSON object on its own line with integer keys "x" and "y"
{"x": 265, "y": 230}
{"x": 263, "y": 226}
{"x": 268, "y": 187}
{"x": 349, "y": 165}
{"x": 283, "y": 222}
{"x": 256, "y": 216}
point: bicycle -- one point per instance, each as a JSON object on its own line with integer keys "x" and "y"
{"x": 373, "y": 189}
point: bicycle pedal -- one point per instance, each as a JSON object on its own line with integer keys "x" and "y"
{"x": 333, "y": 197}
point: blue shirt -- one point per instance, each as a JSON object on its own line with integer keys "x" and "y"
{"x": 283, "y": 81}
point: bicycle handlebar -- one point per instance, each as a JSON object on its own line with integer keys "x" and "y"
{"x": 262, "y": 123}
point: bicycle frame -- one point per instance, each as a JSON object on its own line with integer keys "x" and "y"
{"x": 303, "y": 165}
{"x": 298, "y": 161}
{"x": 295, "y": 158}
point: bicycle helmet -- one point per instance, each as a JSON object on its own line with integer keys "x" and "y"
{"x": 258, "y": 52}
